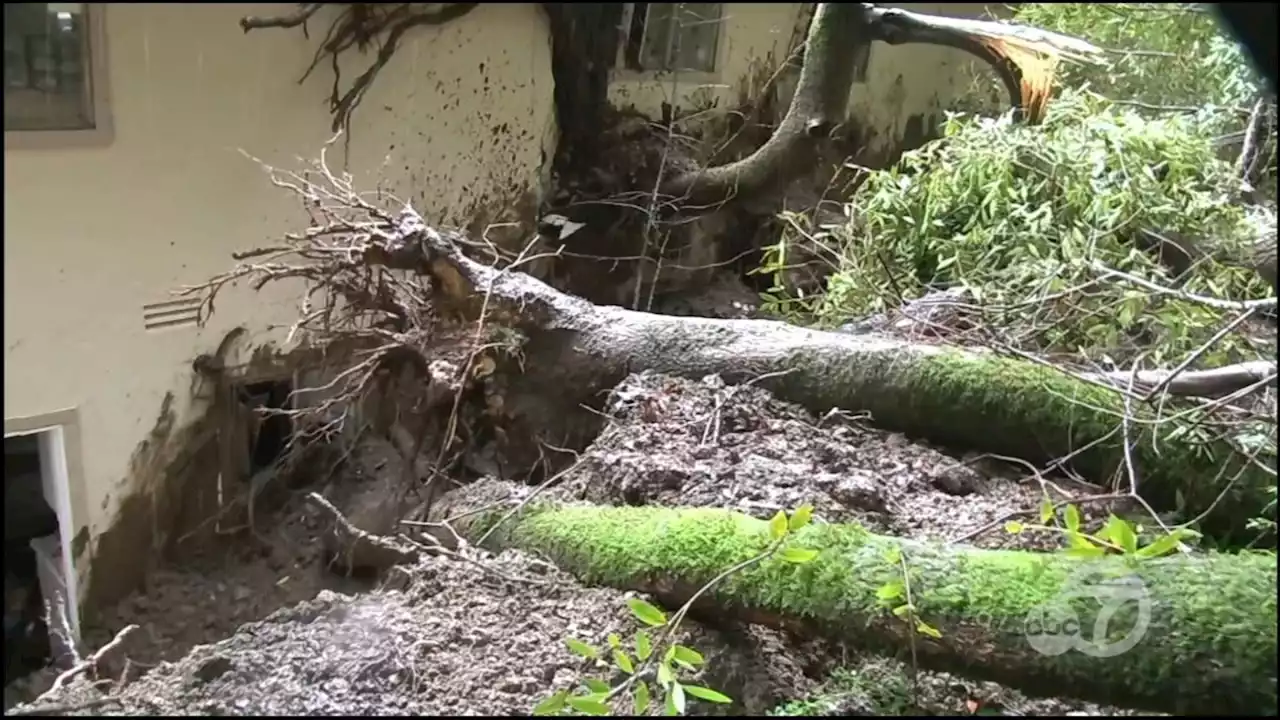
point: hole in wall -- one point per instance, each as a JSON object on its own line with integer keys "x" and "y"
{"x": 274, "y": 429}
{"x": 30, "y": 531}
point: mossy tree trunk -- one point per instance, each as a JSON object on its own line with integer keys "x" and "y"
{"x": 1205, "y": 626}
{"x": 573, "y": 351}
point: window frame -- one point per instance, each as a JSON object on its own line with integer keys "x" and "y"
{"x": 103, "y": 131}
{"x": 624, "y": 71}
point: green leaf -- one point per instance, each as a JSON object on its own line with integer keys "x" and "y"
{"x": 1072, "y": 517}
{"x": 1078, "y": 540}
{"x": 665, "y": 675}
{"x": 707, "y": 694}
{"x": 644, "y": 646}
{"x": 1013, "y": 527}
{"x": 623, "y": 661}
{"x": 642, "y": 698}
{"x": 589, "y": 705}
{"x": 676, "y": 693}
{"x": 1121, "y": 533}
{"x": 926, "y": 629}
{"x": 1086, "y": 551}
{"x": 597, "y": 686}
{"x": 669, "y": 705}
{"x": 798, "y": 555}
{"x": 891, "y": 590}
{"x": 1161, "y": 546}
{"x": 614, "y": 641}
{"x": 903, "y": 610}
{"x": 778, "y": 526}
{"x": 578, "y": 647}
{"x": 646, "y": 613}
{"x": 893, "y": 555}
{"x": 551, "y": 705}
{"x": 1046, "y": 510}
{"x": 687, "y": 656}
{"x": 799, "y": 518}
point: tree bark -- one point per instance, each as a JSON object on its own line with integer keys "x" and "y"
{"x": 958, "y": 398}
{"x": 1209, "y": 644}
{"x": 584, "y": 42}
{"x": 836, "y": 54}
{"x": 836, "y": 36}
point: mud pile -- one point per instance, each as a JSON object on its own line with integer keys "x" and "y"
{"x": 487, "y": 636}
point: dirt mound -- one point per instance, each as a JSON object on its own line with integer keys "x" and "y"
{"x": 459, "y": 639}
{"x": 678, "y": 442}
{"x": 487, "y": 635}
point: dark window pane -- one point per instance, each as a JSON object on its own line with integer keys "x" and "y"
{"x": 46, "y": 71}
{"x": 699, "y": 34}
{"x": 681, "y": 36}
{"x": 657, "y": 36}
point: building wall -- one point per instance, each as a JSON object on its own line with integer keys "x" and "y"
{"x": 460, "y": 124}
{"x": 92, "y": 234}
{"x": 903, "y": 82}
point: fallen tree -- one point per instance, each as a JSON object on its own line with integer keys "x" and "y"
{"x": 544, "y": 354}
{"x": 1205, "y": 625}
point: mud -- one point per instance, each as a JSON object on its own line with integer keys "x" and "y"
{"x": 460, "y": 639}
{"x": 265, "y": 628}
{"x": 678, "y": 442}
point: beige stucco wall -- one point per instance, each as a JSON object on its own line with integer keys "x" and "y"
{"x": 902, "y": 81}
{"x": 93, "y": 234}
{"x": 461, "y": 120}
{"x": 749, "y": 34}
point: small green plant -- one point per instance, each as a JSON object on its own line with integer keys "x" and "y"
{"x": 1116, "y": 537}
{"x": 650, "y": 665}
{"x": 896, "y": 594}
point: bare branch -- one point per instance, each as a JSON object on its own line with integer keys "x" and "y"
{"x": 299, "y": 17}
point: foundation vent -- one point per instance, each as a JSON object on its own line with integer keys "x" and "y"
{"x": 182, "y": 312}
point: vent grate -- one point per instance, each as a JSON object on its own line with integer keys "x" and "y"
{"x": 183, "y": 312}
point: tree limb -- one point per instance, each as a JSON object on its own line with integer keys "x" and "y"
{"x": 840, "y": 34}
{"x": 818, "y": 105}
{"x": 298, "y": 17}
{"x": 1205, "y": 625}
{"x": 1197, "y": 383}
{"x": 963, "y": 399}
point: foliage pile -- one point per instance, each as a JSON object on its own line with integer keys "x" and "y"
{"x": 1163, "y": 56}
{"x": 1020, "y": 216}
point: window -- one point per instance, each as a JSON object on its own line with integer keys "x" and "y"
{"x": 681, "y": 37}
{"x": 49, "y": 82}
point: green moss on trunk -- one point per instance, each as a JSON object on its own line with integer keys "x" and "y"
{"x": 1018, "y": 408}
{"x": 1209, "y": 644}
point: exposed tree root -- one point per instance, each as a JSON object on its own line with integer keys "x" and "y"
{"x": 1204, "y": 627}
{"x": 541, "y": 354}
{"x": 358, "y": 25}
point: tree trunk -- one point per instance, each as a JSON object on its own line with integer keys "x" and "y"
{"x": 958, "y": 398}
{"x": 584, "y": 42}
{"x": 1209, "y": 643}
{"x": 836, "y": 38}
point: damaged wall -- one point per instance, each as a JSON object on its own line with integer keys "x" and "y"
{"x": 94, "y": 235}
{"x": 460, "y": 124}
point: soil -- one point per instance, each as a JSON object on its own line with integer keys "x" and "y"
{"x": 265, "y": 628}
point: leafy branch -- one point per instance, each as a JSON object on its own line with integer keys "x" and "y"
{"x": 1117, "y": 535}
{"x": 659, "y": 667}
